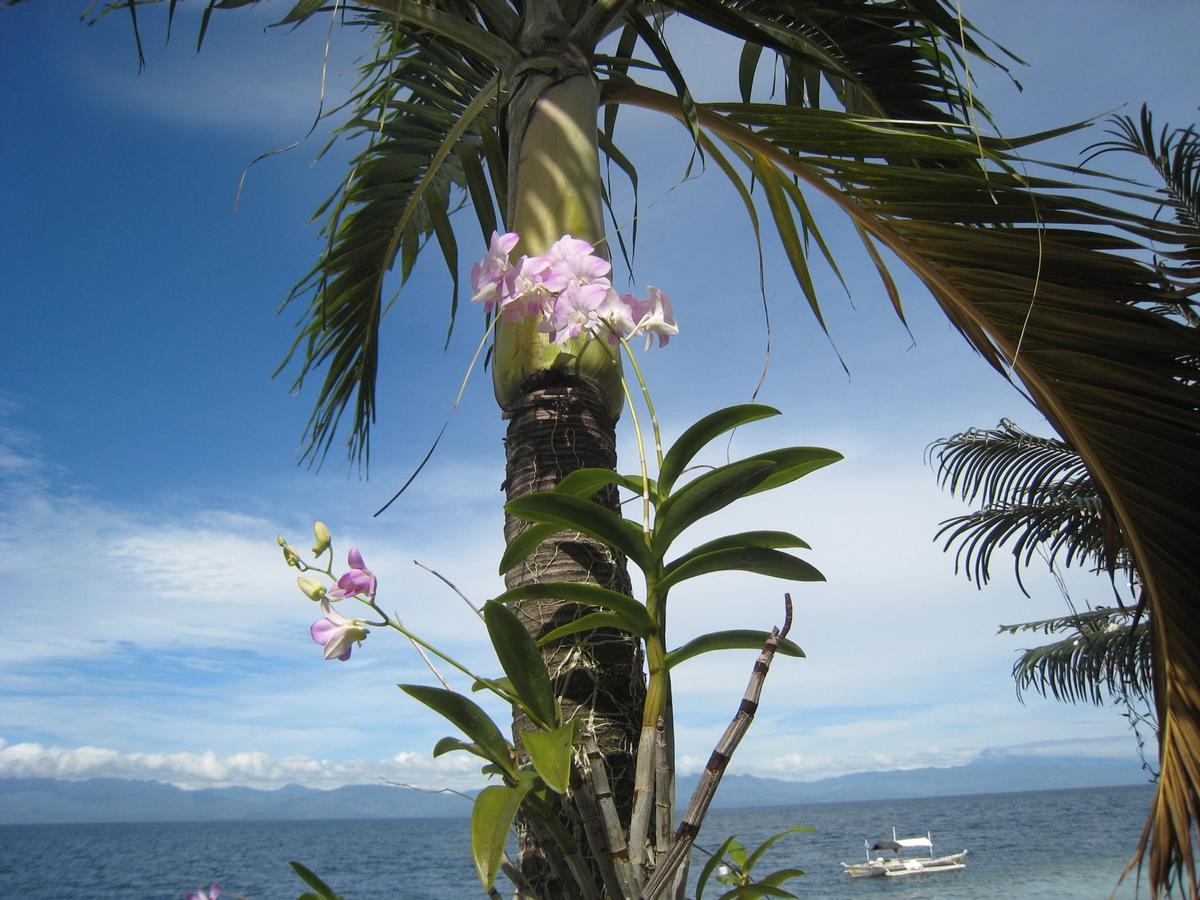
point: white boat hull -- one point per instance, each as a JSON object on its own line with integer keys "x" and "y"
{"x": 899, "y": 868}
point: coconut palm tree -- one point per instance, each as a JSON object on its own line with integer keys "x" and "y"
{"x": 507, "y": 106}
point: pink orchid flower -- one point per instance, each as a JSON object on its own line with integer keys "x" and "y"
{"x": 524, "y": 288}
{"x": 487, "y": 276}
{"x": 572, "y": 261}
{"x": 655, "y": 316}
{"x": 359, "y": 580}
{"x": 575, "y": 311}
{"x": 200, "y": 893}
{"x": 617, "y": 313}
{"x": 337, "y": 634}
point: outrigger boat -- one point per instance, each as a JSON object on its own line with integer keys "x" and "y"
{"x": 900, "y": 865}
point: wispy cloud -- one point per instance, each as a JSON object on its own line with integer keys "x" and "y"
{"x": 236, "y": 82}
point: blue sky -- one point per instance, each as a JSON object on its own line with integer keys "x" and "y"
{"x": 147, "y": 461}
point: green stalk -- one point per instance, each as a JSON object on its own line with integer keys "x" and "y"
{"x": 637, "y": 430}
{"x": 637, "y": 371}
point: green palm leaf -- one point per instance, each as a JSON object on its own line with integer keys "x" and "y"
{"x": 1175, "y": 156}
{"x": 1104, "y": 655}
{"x": 1034, "y": 492}
{"x": 418, "y": 103}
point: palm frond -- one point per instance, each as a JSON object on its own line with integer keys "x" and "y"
{"x": 420, "y": 109}
{"x": 1065, "y": 520}
{"x": 1104, "y": 656}
{"x": 1175, "y": 156}
{"x": 996, "y": 465}
{"x": 1032, "y": 491}
{"x": 899, "y": 59}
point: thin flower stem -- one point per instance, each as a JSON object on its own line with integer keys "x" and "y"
{"x": 395, "y": 623}
{"x": 637, "y": 371}
{"x": 637, "y": 430}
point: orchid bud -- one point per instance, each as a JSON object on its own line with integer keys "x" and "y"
{"x": 290, "y": 555}
{"x": 323, "y": 538}
{"x": 312, "y": 588}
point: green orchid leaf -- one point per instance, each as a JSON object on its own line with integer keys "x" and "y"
{"x": 524, "y": 544}
{"x": 710, "y": 492}
{"x": 779, "y": 877}
{"x": 572, "y": 513}
{"x": 694, "y": 439}
{"x": 309, "y": 877}
{"x": 499, "y": 685}
{"x": 768, "y": 540}
{"x": 491, "y": 819}
{"x": 582, "y": 483}
{"x": 469, "y": 719}
{"x": 737, "y": 639}
{"x": 590, "y": 622}
{"x": 450, "y": 744}
{"x": 711, "y": 865}
{"x": 630, "y": 610}
{"x": 550, "y": 753}
{"x": 792, "y": 463}
{"x": 737, "y": 853}
{"x": 522, "y": 662}
{"x": 760, "y": 560}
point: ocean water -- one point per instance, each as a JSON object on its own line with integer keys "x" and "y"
{"x": 1056, "y": 845}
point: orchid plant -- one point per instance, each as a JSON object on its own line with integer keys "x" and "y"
{"x": 569, "y": 292}
{"x": 554, "y": 761}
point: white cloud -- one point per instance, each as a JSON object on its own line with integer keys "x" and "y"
{"x": 256, "y": 769}
{"x": 246, "y": 769}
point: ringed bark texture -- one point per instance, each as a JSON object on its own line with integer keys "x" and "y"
{"x": 557, "y": 424}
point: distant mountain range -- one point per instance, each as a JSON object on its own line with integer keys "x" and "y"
{"x": 44, "y": 800}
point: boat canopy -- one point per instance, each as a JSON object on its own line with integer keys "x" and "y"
{"x": 898, "y": 844}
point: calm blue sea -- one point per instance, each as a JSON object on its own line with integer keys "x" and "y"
{"x": 1056, "y": 845}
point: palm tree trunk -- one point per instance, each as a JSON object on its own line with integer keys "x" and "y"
{"x": 562, "y": 403}
{"x": 561, "y": 423}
